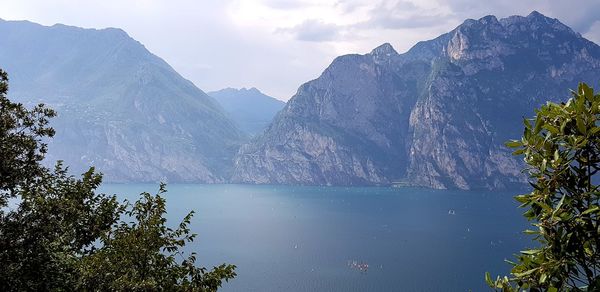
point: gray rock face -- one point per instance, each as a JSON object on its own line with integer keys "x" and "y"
{"x": 121, "y": 108}
{"x": 436, "y": 116}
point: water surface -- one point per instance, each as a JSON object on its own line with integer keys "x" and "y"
{"x": 290, "y": 238}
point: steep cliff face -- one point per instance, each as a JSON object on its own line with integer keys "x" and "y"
{"x": 492, "y": 73}
{"x": 436, "y": 116}
{"x": 342, "y": 128}
{"x": 120, "y": 108}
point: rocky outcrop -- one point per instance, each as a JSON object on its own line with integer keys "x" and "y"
{"x": 436, "y": 116}
{"x": 120, "y": 108}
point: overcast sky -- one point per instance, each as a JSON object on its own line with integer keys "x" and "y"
{"x": 276, "y": 45}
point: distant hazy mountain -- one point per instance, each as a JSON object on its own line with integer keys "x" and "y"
{"x": 121, "y": 108}
{"x": 249, "y": 108}
{"x": 435, "y": 116}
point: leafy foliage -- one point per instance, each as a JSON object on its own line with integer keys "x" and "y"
{"x": 58, "y": 233}
{"x": 52, "y": 229}
{"x": 562, "y": 149}
{"x": 147, "y": 253}
{"x": 21, "y": 146}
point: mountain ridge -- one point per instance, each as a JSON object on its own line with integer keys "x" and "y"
{"x": 434, "y": 116}
{"x": 120, "y": 107}
{"x": 251, "y": 109}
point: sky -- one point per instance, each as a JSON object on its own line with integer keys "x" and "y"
{"x": 276, "y": 45}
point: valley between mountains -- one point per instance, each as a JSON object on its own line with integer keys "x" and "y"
{"x": 436, "y": 116}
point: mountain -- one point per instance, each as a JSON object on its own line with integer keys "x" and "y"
{"x": 436, "y": 116}
{"x": 249, "y": 108}
{"x": 120, "y": 108}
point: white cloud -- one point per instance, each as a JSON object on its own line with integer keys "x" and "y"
{"x": 593, "y": 34}
{"x": 405, "y": 14}
{"x": 313, "y": 30}
{"x": 276, "y": 45}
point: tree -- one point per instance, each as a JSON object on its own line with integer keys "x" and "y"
{"x": 58, "y": 233}
{"x": 561, "y": 147}
{"x": 51, "y": 230}
{"x": 21, "y": 146}
{"x": 146, "y": 252}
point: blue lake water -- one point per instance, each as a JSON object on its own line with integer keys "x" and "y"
{"x": 290, "y": 238}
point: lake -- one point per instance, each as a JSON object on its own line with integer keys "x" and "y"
{"x": 291, "y": 238}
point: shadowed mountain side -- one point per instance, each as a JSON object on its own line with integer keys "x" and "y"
{"x": 121, "y": 108}
{"x": 436, "y": 116}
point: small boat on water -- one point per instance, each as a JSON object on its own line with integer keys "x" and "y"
{"x": 451, "y": 212}
{"x": 361, "y": 266}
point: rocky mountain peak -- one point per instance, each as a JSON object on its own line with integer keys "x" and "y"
{"x": 251, "y": 109}
{"x": 121, "y": 108}
{"x": 537, "y": 16}
{"x": 384, "y": 50}
{"x": 535, "y": 21}
{"x": 253, "y": 90}
{"x": 488, "y": 39}
{"x": 436, "y": 116}
{"x": 489, "y": 20}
